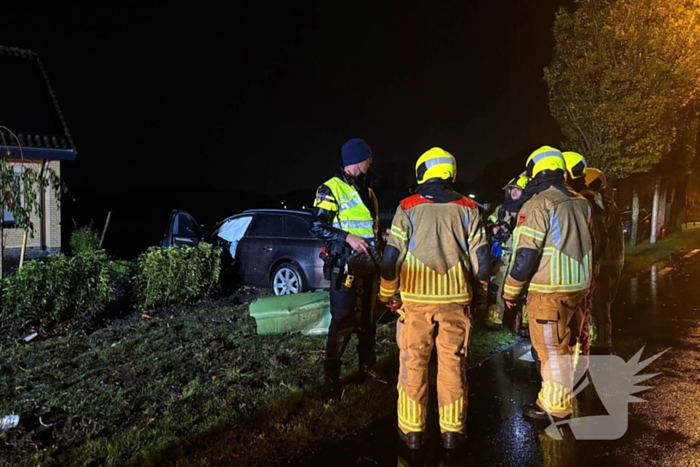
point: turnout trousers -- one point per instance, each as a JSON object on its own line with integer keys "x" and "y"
{"x": 555, "y": 324}
{"x": 446, "y": 326}
{"x": 603, "y": 296}
{"x": 497, "y": 308}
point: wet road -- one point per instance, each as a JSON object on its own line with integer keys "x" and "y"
{"x": 659, "y": 309}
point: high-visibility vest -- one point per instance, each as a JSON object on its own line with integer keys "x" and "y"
{"x": 352, "y": 216}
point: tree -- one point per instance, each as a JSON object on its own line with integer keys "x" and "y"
{"x": 21, "y": 192}
{"x": 623, "y": 79}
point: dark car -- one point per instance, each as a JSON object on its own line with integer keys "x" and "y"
{"x": 271, "y": 248}
{"x": 644, "y": 227}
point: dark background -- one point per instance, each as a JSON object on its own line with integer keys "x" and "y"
{"x": 217, "y": 109}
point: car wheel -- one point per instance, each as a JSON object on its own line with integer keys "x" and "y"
{"x": 287, "y": 279}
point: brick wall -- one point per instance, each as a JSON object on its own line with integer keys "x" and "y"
{"x": 52, "y": 241}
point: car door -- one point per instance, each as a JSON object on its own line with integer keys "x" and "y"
{"x": 182, "y": 230}
{"x": 305, "y": 249}
{"x": 258, "y": 247}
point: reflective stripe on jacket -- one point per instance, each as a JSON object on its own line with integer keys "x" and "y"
{"x": 351, "y": 214}
{"x": 443, "y": 254}
{"x": 553, "y": 245}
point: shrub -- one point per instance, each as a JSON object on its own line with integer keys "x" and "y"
{"x": 84, "y": 239}
{"x": 176, "y": 275}
{"x": 55, "y": 289}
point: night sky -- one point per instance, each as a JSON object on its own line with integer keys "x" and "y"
{"x": 261, "y": 97}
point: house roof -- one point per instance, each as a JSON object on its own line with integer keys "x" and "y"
{"x": 28, "y": 107}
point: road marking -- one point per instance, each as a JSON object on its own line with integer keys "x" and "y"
{"x": 691, "y": 253}
{"x": 664, "y": 271}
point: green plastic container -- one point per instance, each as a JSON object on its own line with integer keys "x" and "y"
{"x": 308, "y": 313}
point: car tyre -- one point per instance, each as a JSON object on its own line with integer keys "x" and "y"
{"x": 288, "y": 279}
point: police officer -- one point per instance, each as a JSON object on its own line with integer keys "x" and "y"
{"x": 437, "y": 258}
{"x": 346, "y": 216}
{"x": 552, "y": 252}
{"x": 610, "y": 265}
{"x": 501, "y": 224}
{"x": 576, "y": 167}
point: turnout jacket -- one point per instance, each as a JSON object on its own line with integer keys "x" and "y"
{"x": 437, "y": 252}
{"x": 553, "y": 245}
{"x": 501, "y": 215}
{"x": 598, "y": 229}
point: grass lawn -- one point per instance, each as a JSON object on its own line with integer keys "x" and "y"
{"x": 197, "y": 386}
{"x": 187, "y": 386}
{"x": 644, "y": 254}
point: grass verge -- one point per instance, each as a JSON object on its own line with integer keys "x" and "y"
{"x": 641, "y": 256}
{"x": 187, "y": 386}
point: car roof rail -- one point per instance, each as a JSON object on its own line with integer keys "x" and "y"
{"x": 293, "y": 211}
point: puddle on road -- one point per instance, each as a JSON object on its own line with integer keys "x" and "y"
{"x": 655, "y": 310}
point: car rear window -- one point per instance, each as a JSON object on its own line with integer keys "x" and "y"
{"x": 298, "y": 227}
{"x": 267, "y": 225}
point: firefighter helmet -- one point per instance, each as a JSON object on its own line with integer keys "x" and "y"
{"x": 436, "y": 163}
{"x": 544, "y": 158}
{"x": 575, "y": 164}
{"x": 595, "y": 179}
{"x": 518, "y": 182}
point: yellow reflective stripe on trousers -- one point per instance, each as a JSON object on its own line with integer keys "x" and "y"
{"x": 555, "y": 397}
{"x": 452, "y": 415}
{"x": 410, "y": 413}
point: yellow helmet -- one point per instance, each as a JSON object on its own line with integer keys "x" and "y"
{"x": 518, "y": 182}
{"x": 544, "y": 158}
{"x": 436, "y": 163}
{"x": 575, "y": 164}
{"x": 595, "y": 179}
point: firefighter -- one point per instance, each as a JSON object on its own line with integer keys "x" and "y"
{"x": 500, "y": 226}
{"x": 435, "y": 265}
{"x": 610, "y": 265}
{"x": 576, "y": 167}
{"x": 346, "y": 217}
{"x": 552, "y": 253}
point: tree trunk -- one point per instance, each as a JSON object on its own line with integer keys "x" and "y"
{"x": 635, "y": 215}
{"x": 669, "y": 206}
{"x": 661, "y": 221}
{"x": 655, "y": 211}
{"x": 2, "y": 243}
{"x": 24, "y": 249}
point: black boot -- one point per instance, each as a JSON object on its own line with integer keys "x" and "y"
{"x": 452, "y": 440}
{"x": 413, "y": 440}
{"x": 335, "y": 347}
{"x": 331, "y": 388}
{"x": 535, "y": 412}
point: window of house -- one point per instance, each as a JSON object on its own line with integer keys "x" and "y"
{"x": 8, "y": 218}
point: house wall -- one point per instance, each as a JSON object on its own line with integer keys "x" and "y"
{"x": 52, "y": 242}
